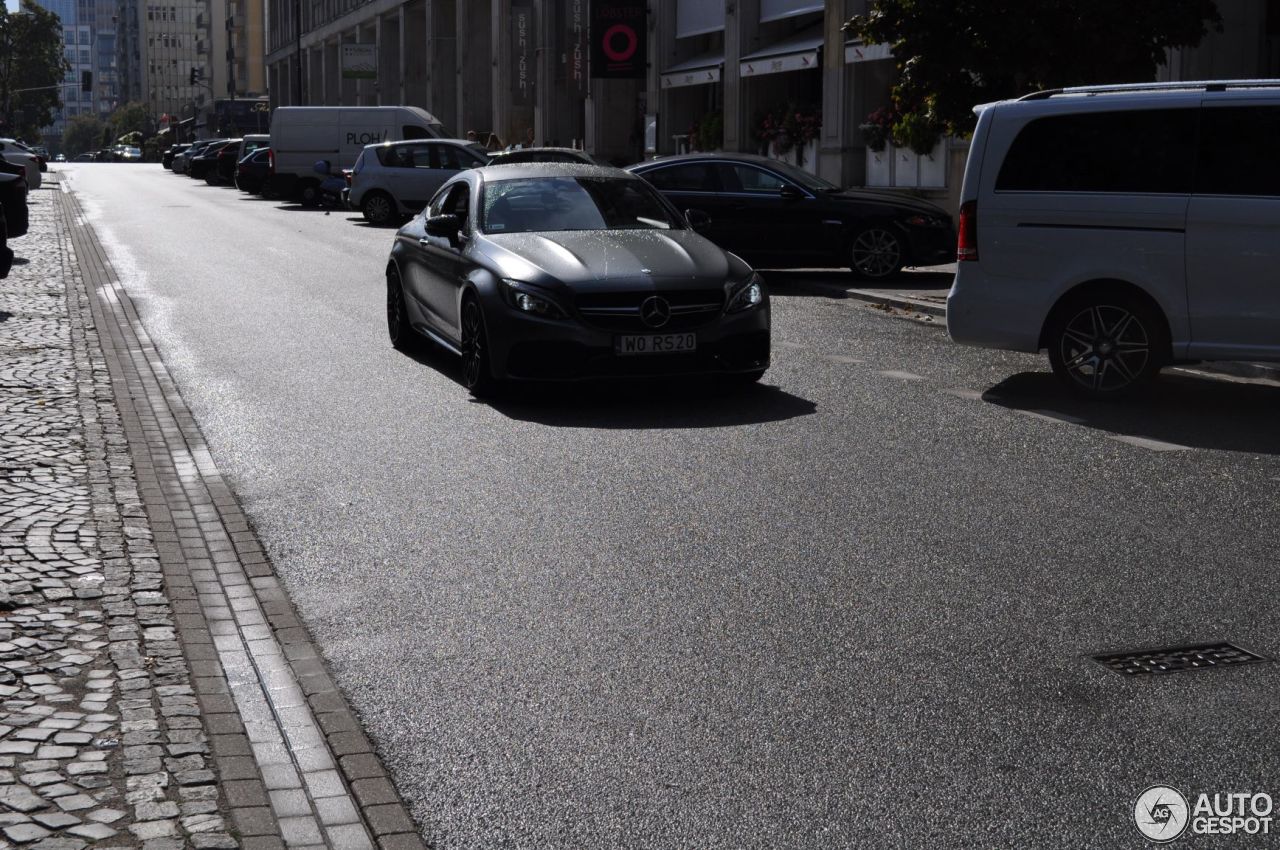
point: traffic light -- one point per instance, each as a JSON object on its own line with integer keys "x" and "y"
{"x": 86, "y": 81}
{"x": 195, "y": 76}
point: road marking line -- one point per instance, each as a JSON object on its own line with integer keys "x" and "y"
{"x": 967, "y": 395}
{"x": 1145, "y": 443}
{"x": 841, "y": 358}
{"x": 1050, "y": 416}
{"x": 902, "y": 376}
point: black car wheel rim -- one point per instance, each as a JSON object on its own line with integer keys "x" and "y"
{"x": 876, "y": 252}
{"x": 1105, "y": 348}
{"x": 394, "y": 306}
{"x": 472, "y": 344}
{"x": 378, "y": 209}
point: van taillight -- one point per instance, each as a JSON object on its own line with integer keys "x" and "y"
{"x": 271, "y": 161}
{"x": 967, "y": 237}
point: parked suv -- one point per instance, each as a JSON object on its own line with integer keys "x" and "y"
{"x": 1123, "y": 228}
{"x": 394, "y": 180}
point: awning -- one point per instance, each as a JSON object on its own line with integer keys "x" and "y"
{"x": 694, "y": 72}
{"x": 856, "y": 51}
{"x": 797, "y": 53}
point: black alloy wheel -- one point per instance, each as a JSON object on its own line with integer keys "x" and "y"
{"x": 309, "y": 193}
{"x": 476, "y": 374}
{"x": 378, "y": 208}
{"x": 398, "y": 327}
{"x": 876, "y": 253}
{"x": 1106, "y": 347}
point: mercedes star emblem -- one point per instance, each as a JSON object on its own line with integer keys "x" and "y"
{"x": 655, "y": 311}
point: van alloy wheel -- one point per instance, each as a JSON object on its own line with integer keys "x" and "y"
{"x": 1104, "y": 349}
{"x": 876, "y": 253}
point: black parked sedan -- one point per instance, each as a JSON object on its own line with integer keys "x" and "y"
{"x": 775, "y": 215}
{"x": 13, "y": 214}
{"x": 563, "y": 272}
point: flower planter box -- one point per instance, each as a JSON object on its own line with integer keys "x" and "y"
{"x": 903, "y": 167}
{"x": 880, "y": 167}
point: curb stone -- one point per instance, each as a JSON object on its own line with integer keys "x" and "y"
{"x": 277, "y": 721}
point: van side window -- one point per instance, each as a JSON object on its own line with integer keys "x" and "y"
{"x": 412, "y": 131}
{"x": 1238, "y": 151}
{"x": 1149, "y": 151}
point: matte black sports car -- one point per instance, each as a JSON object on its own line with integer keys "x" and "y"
{"x": 562, "y": 272}
{"x": 775, "y": 215}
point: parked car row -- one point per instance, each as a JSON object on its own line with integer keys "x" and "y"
{"x": 13, "y": 210}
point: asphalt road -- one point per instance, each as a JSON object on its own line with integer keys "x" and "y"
{"x": 850, "y": 607}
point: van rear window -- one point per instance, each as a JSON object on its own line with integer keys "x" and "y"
{"x": 1146, "y": 152}
{"x": 1238, "y": 151}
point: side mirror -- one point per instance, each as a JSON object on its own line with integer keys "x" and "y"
{"x": 321, "y": 167}
{"x": 790, "y": 193}
{"x": 446, "y": 226}
{"x": 698, "y": 220}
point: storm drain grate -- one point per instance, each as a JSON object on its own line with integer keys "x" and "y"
{"x": 1177, "y": 659}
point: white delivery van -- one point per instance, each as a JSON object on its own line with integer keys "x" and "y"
{"x": 301, "y": 136}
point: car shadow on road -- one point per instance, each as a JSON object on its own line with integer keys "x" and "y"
{"x": 633, "y": 404}
{"x": 651, "y": 404}
{"x": 1182, "y": 409}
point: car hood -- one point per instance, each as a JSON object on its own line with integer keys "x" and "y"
{"x": 598, "y": 259}
{"x": 870, "y": 196}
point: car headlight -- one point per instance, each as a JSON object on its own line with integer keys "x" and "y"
{"x": 526, "y": 299}
{"x": 750, "y": 293}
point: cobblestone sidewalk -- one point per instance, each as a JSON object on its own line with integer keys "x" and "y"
{"x": 156, "y": 688}
{"x": 100, "y": 733}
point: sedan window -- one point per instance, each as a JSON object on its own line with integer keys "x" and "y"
{"x": 541, "y": 204}
{"x": 751, "y": 179}
{"x": 695, "y": 177}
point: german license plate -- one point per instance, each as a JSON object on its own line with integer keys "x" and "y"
{"x": 655, "y": 344}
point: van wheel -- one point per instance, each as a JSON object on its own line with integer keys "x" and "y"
{"x": 309, "y": 193}
{"x": 378, "y": 208}
{"x": 876, "y": 253}
{"x": 1107, "y": 346}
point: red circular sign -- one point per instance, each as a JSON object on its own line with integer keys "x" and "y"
{"x": 625, "y": 53}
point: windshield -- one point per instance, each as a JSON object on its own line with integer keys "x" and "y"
{"x": 809, "y": 181}
{"x": 535, "y": 204}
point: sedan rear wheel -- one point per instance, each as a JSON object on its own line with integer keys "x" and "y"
{"x": 476, "y": 373}
{"x": 378, "y": 208}
{"x": 876, "y": 253}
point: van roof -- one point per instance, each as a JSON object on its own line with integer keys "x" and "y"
{"x": 1155, "y": 88}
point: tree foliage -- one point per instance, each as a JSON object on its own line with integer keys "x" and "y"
{"x": 954, "y": 54}
{"x": 130, "y": 118}
{"x": 30, "y": 57}
{"x": 83, "y": 133}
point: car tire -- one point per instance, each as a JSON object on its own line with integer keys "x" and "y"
{"x": 747, "y": 379}
{"x": 403, "y": 337}
{"x": 477, "y": 371}
{"x": 379, "y": 209}
{"x": 309, "y": 193}
{"x": 211, "y": 178}
{"x": 876, "y": 253}
{"x": 1107, "y": 346}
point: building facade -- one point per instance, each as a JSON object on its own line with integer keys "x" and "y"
{"x": 159, "y": 43}
{"x": 88, "y": 44}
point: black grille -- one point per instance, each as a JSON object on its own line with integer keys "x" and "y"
{"x": 1178, "y": 659}
{"x": 620, "y": 311}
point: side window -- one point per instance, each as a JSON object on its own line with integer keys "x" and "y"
{"x": 1149, "y": 151}
{"x": 1238, "y": 151}
{"x": 695, "y": 177}
{"x": 745, "y": 178}
{"x": 445, "y": 156}
{"x": 437, "y": 205}
{"x": 412, "y": 131}
{"x": 458, "y": 202}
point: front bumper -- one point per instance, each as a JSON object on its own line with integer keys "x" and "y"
{"x": 524, "y": 347}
